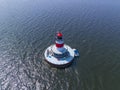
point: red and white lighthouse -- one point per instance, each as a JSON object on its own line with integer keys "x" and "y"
{"x": 59, "y": 54}
{"x": 59, "y": 41}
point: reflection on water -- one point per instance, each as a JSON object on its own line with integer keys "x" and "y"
{"x": 27, "y": 27}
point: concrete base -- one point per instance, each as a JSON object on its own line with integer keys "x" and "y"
{"x": 59, "y": 62}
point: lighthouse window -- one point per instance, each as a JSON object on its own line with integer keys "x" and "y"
{"x": 59, "y": 37}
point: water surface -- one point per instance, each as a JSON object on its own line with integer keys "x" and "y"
{"x": 27, "y": 27}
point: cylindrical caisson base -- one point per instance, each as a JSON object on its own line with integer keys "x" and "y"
{"x": 61, "y": 62}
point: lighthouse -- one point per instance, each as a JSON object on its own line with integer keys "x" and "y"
{"x": 59, "y": 54}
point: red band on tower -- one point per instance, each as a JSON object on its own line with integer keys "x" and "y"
{"x": 59, "y": 45}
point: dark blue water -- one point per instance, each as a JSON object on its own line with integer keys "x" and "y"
{"x": 27, "y": 28}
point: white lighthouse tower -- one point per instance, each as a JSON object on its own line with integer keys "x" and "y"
{"x": 59, "y": 54}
